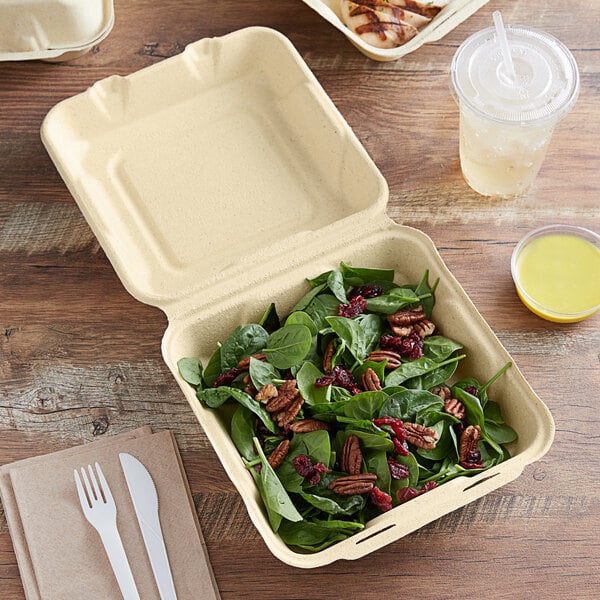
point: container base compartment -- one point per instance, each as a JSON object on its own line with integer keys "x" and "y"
{"x": 409, "y": 252}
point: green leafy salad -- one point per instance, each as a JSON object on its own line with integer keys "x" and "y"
{"x": 349, "y": 406}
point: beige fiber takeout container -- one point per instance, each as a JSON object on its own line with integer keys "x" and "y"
{"x": 52, "y": 30}
{"x": 445, "y": 21}
{"x": 216, "y": 181}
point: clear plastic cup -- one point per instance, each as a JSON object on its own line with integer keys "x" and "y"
{"x": 506, "y": 124}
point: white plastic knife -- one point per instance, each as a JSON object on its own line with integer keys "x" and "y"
{"x": 145, "y": 501}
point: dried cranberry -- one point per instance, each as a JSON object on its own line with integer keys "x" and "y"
{"x": 471, "y": 389}
{"x": 472, "y": 460}
{"x": 380, "y": 499}
{"x": 390, "y": 342}
{"x": 406, "y": 493}
{"x": 366, "y": 291}
{"x": 397, "y": 470}
{"x": 396, "y": 425}
{"x": 355, "y": 307}
{"x": 426, "y": 487}
{"x": 341, "y": 377}
{"x": 411, "y": 346}
{"x": 401, "y": 447}
{"x": 324, "y": 381}
{"x": 227, "y": 377}
{"x": 305, "y": 467}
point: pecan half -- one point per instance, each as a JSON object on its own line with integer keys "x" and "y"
{"x": 244, "y": 364}
{"x": 286, "y": 395}
{"x": 442, "y": 391}
{"x": 370, "y": 380}
{"x": 455, "y": 408}
{"x": 407, "y": 316}
{"x": 306, "y": 425}
{"x": 469, "y": 439}
{"x": 424, "y": 328}
{"x": 266, "y": 393}
{"x": 249, "y": 387}
{"x": 393, "y": 358}
{"x": 401, "y": 330}
{"x": 328, "y": 356}
{"x": 276, "y": 457}
{"x": 288, "y": 414}
{"x": 351, "y": 459}
{"x": 420, "y": 436}
{"x": 353, "y": 484}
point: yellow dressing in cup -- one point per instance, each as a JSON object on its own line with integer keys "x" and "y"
{"x": 556, "y": 270}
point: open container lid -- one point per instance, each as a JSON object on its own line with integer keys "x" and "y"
{"x": 52, "y": 29}
{"x": 194, "y": 169}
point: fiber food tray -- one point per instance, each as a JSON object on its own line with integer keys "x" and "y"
{"x": 450, "y": 17}
{"x": 216, "y": 181}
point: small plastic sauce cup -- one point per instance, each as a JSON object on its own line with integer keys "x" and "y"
{"x": 556, "y": 271}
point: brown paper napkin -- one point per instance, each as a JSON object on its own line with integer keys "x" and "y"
{"x": 60, "y": 555}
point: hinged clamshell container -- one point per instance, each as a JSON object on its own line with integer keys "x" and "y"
{"x": 52, "y": 30}
{"x": 445, "y": 21}
{"x": 216, "y": 181}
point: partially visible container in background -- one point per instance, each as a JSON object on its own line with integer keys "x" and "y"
{"x": 52, "y": 30}
{"x": 506, "y": 122}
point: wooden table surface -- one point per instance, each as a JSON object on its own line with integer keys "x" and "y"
{"x": 80, "y": 358}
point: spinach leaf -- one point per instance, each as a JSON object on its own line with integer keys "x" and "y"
{"x": 300, "y": 317}
{"x": 426, "y": 293}
{"x": 270, "y": 319}
{"x": 275, "y": 496}
{"x": 361, "y": 276}
{"x": 378, "y": 367}
{"x": 316, "y": 536}
{"x": 308, "y": 297}
{"x": 351, "y": 333}
{"x": 392, "y": 301}
{"x": 417, "y": 368}
{"x": 439, "y": 348}
{"x": 288, "y": 346}
{"x": 411, "y": 405}
{"x": 275, "y": 519}
{"x": 262, "y": 373}
{"x": 213, "y": 368}
{"x": 215, "y": 397}
{"x": 501, "y": 434}
{"x": 365, "y": 405}
{"x": 492, "y": 413}
{"x": 372, "y": 329}
{"x": 306, "y": 377}
{"x": 444, "y": 446}
{"x": 431, "y": 379}
{"x": 191, "y": 370}
{"x": 244, "y": 341}
{"x": 335, "y": 281}
{"x": 473, "y": 411}
{"x": 376, "y": 462}
{"x": 321, "y": 307}
{"x": 372, "y": 440}
{"x": 330, "y": 502}
{"x": 242, "y": 432}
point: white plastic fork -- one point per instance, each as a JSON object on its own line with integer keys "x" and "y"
{"x": 100, "y": 510}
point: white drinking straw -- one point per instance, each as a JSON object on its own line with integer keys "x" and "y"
{"x": 501, "y": 36}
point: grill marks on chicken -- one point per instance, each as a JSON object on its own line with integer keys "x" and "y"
{"x": 388, "y": 23}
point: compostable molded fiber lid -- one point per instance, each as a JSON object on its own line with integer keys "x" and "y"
{"x": 200, "y": 167}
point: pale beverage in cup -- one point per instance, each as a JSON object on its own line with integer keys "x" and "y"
{"x": 507, "y": 117}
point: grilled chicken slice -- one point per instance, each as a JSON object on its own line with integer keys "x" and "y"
{"x": 376, "y": 28}
{"x": 427, "y": 8}
{"x": 395, "y": 13}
